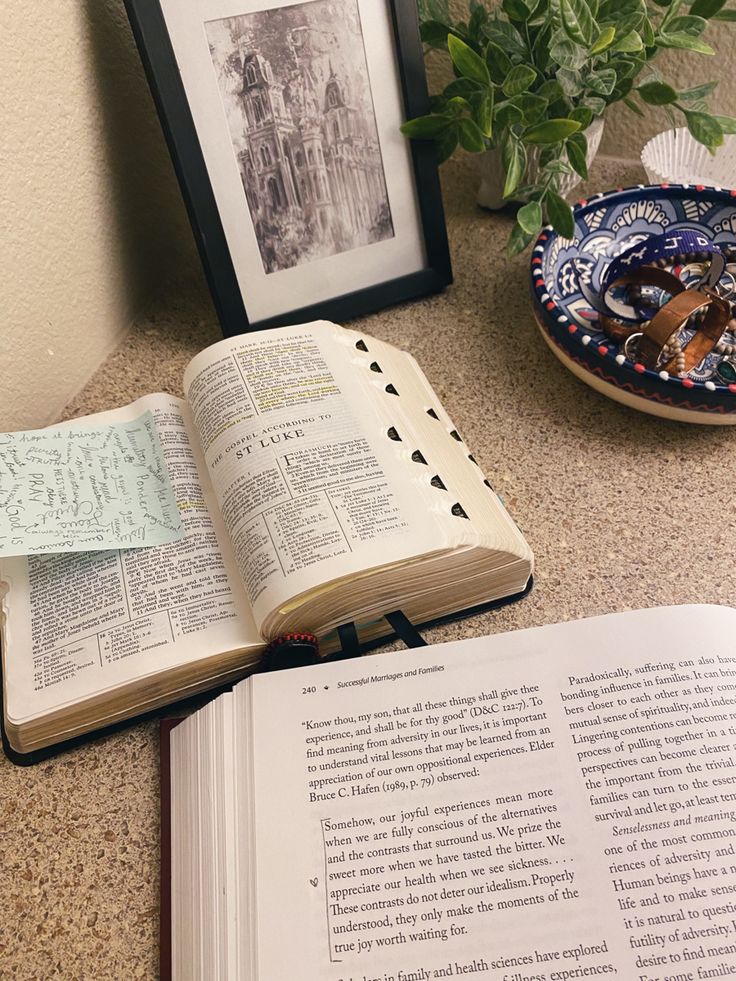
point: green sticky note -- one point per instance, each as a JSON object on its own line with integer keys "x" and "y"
{"x": 78, "y": 490}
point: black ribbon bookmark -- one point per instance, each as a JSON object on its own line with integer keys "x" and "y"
{"x": 398, "y": 621}
{"x": 405, "y": 629}
{"x": 349, "y": 643}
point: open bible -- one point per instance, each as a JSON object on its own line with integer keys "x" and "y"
{"x": 547, "y": 805}
{"x": 319, "y": 481}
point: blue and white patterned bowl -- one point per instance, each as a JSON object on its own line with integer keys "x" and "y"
{"x": 605, "y": 225}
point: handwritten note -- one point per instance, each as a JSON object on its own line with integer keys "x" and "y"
{"x": 72, "y": 490}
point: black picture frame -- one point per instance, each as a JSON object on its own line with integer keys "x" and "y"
{"x": 165, "y": 80}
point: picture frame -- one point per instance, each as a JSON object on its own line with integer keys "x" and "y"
{"x": 282, "y": 119}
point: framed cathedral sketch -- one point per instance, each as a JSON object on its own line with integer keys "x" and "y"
{"x": 283, "y": 119}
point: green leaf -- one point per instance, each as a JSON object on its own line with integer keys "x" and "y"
{"x": 464, "y": 87}
{"x": 577, "y": 152}
{"x": 503, "y": 33}
{"x": 434, "y": 33}
{"x": 482, "y": 104}
{"x": 540, "y": 11}
{"x": 548, "y": 153}
{"x": 559, "y": 213}
{"x": 518, "y": 241}
{"x": 540, "y": 47}
{"x": 516, "y": 10}
{"x": 603, "y": 41}
{"x": 688, "y": 25}
{"x": 673, "y": 10}
{"x": 426, "y": 127}
{"x": 601, "y": 81}
{"x": 685, "y": 42}
{"x": 617, "y": 9}
{"x": 706, "y": 8}
{"x": 630, "y": 104}
{"x": 499, "y": 63}
{"x": 646, "y": 31}
{"x": 727, "y": 123}
{"x": 621, "y": 90}
{"x": 513, "y": 155}
{"x": 657, "y": 93}
{"x": 467, "y": 62}
{"x": 557, "y": 166}
{"x": 629, "y": 42}
{"x": 583, "y": 115}
{"x": 457, "y": 105}
{"x": 529, "y": 218}
{"x": 551, "y": 90}
{"x": 631, "y": 22}
{"x": 577, "y": 21}
{"x": 507, "y": 114}
{"x": 628, "y": 67}
{"x": 529, "y": 191}
{"x": 478, "y": 17}
{"x": 532, "y": 107}
{"x": 437, "y": 104}
{"x": 570, "y": 82}
{"x": 550, "y": 131}
{"x": 518, "y": 80}
{"x": 704, "y": 128}
{"x": 446, "y": 144}
{"x": 434, "y": 9}
{"x": 567, "y": 53}
{"x": 471, "y": 138}
{"x": 725, "y": 15}
{"x": 697, "y": 93}
{"x": 595, "y": 103}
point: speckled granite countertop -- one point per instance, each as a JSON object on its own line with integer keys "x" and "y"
{"x": 622, "y": 510}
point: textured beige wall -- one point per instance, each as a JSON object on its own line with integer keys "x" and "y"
{"x": 626, "y": 133}
{"x": 90, "y": 213}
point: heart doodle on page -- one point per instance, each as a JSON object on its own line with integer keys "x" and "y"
{"x": 314, "y": 882}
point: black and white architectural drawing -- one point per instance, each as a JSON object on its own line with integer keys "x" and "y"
{"x": 295, "y": 88}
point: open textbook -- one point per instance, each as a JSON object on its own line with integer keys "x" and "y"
{"x": 547, "y": 805}
{"x": 319, "y": 481}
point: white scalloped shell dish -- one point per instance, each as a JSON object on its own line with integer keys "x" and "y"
{"x": 674, "y": 156}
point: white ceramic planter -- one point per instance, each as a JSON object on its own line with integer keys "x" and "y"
{"x": 493, "y": 177}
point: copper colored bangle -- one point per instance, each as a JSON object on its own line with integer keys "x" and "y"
{"x": 619, "y": 330}
{"x": 674, "y": 315}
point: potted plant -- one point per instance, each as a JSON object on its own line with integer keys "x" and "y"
{"x": 533, "y": 79}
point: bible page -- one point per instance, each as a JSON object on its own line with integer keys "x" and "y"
{"x": 552, "y": 804}
{"x": 80, "y": 624}
{"x": 311, "y": 485}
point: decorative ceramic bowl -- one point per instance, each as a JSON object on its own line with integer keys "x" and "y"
{"x": 677, "y": 157}
{"x": 606, "y": 225}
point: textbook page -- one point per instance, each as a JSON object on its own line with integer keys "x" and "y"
{"x": 551, "y": 804}
{"x": 310, "y": 486}
{"x": 80, "y": 624}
